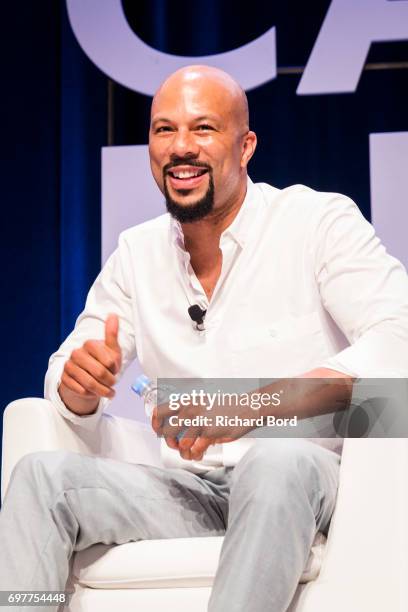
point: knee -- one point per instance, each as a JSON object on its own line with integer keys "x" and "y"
{"x": 271, "y": 465}
{"x": 46, "y": 469}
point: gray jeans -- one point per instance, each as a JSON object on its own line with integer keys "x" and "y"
{"x": 269, "y": 506}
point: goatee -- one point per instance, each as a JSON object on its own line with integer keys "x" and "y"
{"x": 191, "y": 212}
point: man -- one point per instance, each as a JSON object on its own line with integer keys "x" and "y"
{"x": 294, "y": 284}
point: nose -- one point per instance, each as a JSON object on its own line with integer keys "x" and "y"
{"x": 184, "y": 144}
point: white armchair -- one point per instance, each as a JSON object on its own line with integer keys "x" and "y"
{"x": 362, "y": 567}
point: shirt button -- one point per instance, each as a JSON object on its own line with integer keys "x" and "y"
{"x": 273, "y": 332}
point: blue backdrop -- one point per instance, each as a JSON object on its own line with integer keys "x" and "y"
{"x": 55, "y": 116}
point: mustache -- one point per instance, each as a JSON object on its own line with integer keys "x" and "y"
{"x": 186, "y": 162}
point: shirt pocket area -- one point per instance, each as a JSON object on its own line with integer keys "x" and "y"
{"x": 286, "y": 346}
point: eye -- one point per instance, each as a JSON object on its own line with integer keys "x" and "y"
{"x": 163, "y": 128}
{"x": 204, "y": 127}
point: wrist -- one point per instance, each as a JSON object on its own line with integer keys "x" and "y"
{"x": 75, "y": 403}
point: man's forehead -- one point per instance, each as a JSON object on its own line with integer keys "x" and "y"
{"x": 202, "y": 95}
{"x": 201, "y": 91}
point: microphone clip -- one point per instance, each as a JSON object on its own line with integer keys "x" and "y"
{"x": 197, "y": 315}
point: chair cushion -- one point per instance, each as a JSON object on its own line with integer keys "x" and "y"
{"x": 148, "y": 564}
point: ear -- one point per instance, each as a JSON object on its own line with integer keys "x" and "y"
{"x": 248, "y": 148}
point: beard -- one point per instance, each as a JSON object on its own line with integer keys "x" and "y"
{"x": 191, "y": 212}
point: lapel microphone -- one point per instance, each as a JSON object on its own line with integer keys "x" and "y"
{"x": 197, "y": 315}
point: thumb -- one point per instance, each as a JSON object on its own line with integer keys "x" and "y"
{"x": 111, "y": 332}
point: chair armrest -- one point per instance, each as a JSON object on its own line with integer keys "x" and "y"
{"x": 33, "y": 424}
{"x": 366, "y": 559}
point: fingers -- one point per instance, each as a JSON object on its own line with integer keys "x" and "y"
{"x": 160, "y": 424}
{"x": 183, "y": 444}
{"x": 199, "y": 447}
{"x": 85, "y": 381}
{"x": 189, "y": 437}
{"x": 196, "y": 451}
{"x": 156, "y": 421}
{"x": 71, "y": 384}
{"x": 186, "y": 442}
{"x": 162, "y": 428}
{"x": 95, "y": 366}
{"x": 90, "y": 371}
{"x": 171, "y": 442}
{"x": 107, "y": 357}
{"x": 111, "y": 332}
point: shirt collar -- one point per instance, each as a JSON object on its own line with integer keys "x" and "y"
{"x": 239, "y": 227}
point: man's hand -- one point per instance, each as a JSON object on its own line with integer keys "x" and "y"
{"x": 196, "y": 440}
{"x": 326, "y": 391}
{"x": 90, "y": 372}
{"x": 190, "y": 447}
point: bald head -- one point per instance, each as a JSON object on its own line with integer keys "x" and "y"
{"x": 215, "y": 84}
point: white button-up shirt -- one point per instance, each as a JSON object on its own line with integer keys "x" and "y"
{"x": 305, "y": 283}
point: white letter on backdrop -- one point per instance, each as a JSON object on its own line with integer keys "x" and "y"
{"x": 341, "y": 48}
{"x": 104, "y": 34}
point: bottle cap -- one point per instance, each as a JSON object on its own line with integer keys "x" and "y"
{"x": 140, "y": 384}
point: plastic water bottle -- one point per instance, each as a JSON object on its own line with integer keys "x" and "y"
{"x": 147, "y": 390}
{"x": 150, "y": 393}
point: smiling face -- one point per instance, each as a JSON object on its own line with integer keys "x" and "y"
{"x": 199, "y": 142}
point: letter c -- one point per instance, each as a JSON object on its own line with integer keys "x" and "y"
{"x": 104, "y": 34}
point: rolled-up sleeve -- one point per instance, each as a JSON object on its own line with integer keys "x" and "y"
{"x": 364, "y": 289}
{"x": 110, "y": 293}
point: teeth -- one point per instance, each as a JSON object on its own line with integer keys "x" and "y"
{"x": 186, "y": 174}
